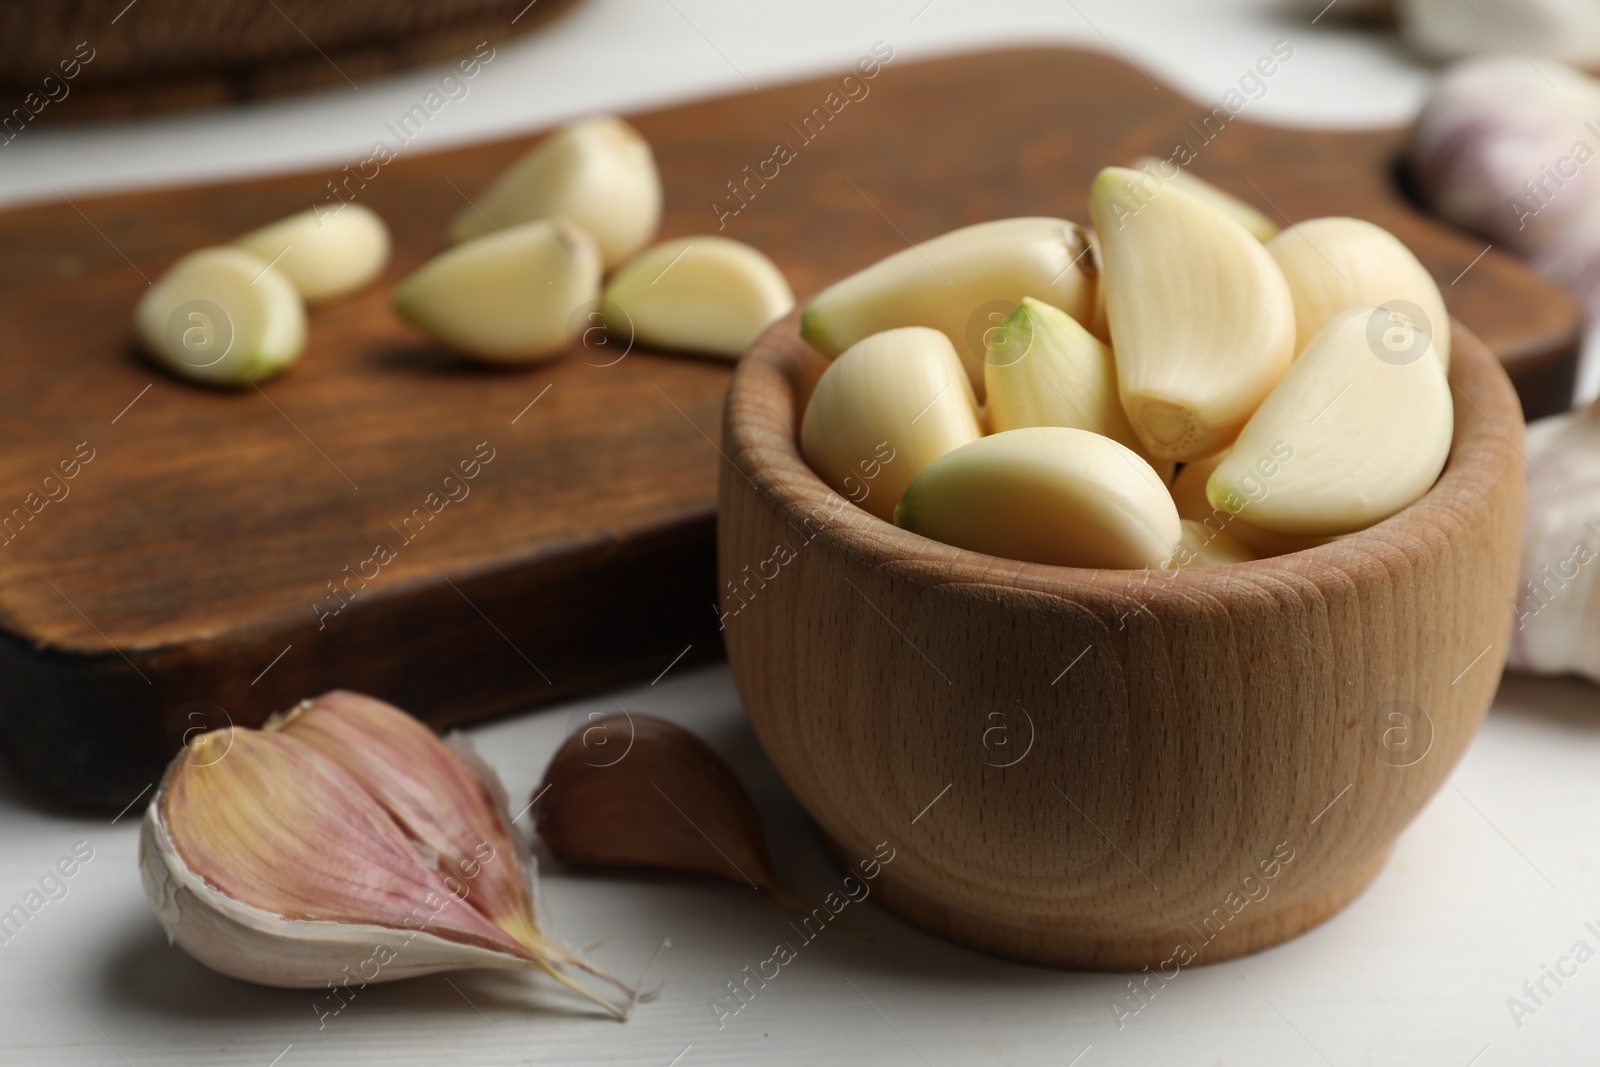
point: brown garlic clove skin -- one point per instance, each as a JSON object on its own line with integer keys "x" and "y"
{"x": 668, "y": 800}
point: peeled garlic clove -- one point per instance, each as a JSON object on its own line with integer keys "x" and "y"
{"x": 1335, "y": 264}
{"x": 1202, "y": 323}
{"x": 1043, "y": 369}
{"x": 325, "y": 254}
{"x": 222, "y": 316}
{"x": 597, "y": 172}
{"x": 962, "y": 283}
{"x": 1205, "y": 545}
{"x": 453, "y": 807}
{"x": 1047, "y": 494}
{"x": 638, "y": 791}
{"x": 1353, "y": 434}
{"x": 508, "y": 297}
{"x": 267, "y": 861}
{"x": 1189, "y": 494}
{"x": 885, "y": 409}
{"x": 1261, "y": 228}
{"x": 704, "y": 294}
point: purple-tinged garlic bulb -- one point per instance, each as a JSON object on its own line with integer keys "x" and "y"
{"x": 1507, "y": 146}
{"x": 1556, "y": 616}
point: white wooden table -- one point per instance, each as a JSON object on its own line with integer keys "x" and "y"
{"x": 1494, "y": 881}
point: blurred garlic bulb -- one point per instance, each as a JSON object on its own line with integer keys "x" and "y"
{"x": 1568, "y": 30}
{"x": 1556, "y": 616}
{"x": 1505, "y": 145}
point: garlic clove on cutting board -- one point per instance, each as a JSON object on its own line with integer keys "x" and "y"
{"x": 325, "y": 253}
{"x": 508, "y": 297}
{"x": 222, "y": 316}
{"x": 597, "y": 172}
{"x": 705, "y": 294}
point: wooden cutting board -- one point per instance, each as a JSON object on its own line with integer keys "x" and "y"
{"x": 185, "y": 576}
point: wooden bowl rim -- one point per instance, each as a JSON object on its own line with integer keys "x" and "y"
{"x": 759, "y": 429}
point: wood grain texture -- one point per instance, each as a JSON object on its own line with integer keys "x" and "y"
{"x": 192, "y": 548}
{"x": 1093, "y": 768}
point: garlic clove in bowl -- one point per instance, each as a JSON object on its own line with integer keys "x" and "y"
{"x": 1335, "y": 264}
{"x": 961, "y": 283}
{"x": 1046, "y": 494}
{"x": 1261, "y": 228}
{"x": 1357, "y": 430}
{"x": 1042, "y": 368}
{"x": 1201, "y": 317}
{"x": 885, "y": 409}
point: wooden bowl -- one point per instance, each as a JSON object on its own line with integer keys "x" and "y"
{"x": 1112, "y": 769}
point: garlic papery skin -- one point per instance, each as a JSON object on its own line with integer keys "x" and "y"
{"x": 1202, "y": 322}
{"x": 256, "y": 945}
{"x": 885, "y": 409}
{"x": 1047, "y": 494}
{"x": 326, "y": 849}
{"x": 1042, "y": 368}
{"x": 1335, "y": 264}
{"x": 597, "y": 172}
{"x": 509, "y": 297}
{"x": 325, "y": 253}
{"x": 1189, "y": 494}
{"x": 1355, "y": 432}
{"x": 706, "y": 294}
{"x": 1567, "y": 30}
{"x": 265, "y": 860}
{"x": 222, "y": 316}
{"x": 962, "y": 283}
{"x": 441, "y": 795}
{"x": 597, "y": 808}
{"x": 1165, "y": 170}
{"x": 1556, "y": 627}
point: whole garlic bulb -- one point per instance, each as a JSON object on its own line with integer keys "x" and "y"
{"x": 1556, "y": 616}
{"x": 1505, "y": 146}
{"x": 342, "y": 843}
